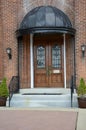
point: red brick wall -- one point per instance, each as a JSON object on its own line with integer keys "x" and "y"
{"x": 1, "y": 45}
{"x": 12, "y": 13}
{"x": 69, "y": 58}
{"x": 9, "y": 13}
{"x": 80, "y": 25}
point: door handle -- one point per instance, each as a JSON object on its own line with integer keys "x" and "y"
{"x": 48, "y": 71}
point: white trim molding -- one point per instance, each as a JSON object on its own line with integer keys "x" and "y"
{"x": 31, "y": 61}
{"x": 64, "y": 60}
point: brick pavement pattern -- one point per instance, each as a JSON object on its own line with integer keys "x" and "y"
{"x": 37, "y": 120}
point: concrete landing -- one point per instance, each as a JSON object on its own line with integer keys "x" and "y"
{"x": 45, "y": 90}
{"x": 81, "y": 120}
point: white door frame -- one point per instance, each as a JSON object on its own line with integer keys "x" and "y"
{"x": 64, "y": 60}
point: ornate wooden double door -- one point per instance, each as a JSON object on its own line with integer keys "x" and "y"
{"x": 48, "y": 70}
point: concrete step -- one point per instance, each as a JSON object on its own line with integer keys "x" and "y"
{"x": 37, "y": 99}
{"x": 46, "y": 90}
{"x": 39, "y": 103}
{"x": 18, "y": 97}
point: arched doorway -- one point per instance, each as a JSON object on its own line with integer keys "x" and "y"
{"x": 45, "y": 31}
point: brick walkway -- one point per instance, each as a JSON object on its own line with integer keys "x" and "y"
{"x": 37, "y": 120}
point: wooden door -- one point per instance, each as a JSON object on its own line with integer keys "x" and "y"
{"x": 55, "y": 65}
{"x": 48, "y": 65}
{"x": 40, "y": 64}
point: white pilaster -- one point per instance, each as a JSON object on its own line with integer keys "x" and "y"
{"x": 64, "y": 61}
{"x": 31, "y": 61}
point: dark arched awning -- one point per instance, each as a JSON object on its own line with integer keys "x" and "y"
{"x": 45, "y": 19}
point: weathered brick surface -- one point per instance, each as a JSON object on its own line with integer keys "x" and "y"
{"x": 1, "y": 45}
{"x": 9, "y": 12}
{"x": 80, "y": 25}
{"x": 12, "y": 13}
{"x": 65, "y": 5}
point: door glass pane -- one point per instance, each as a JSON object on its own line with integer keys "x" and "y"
{"x": 56, "y": 56}
{"x": 40, "y": 57}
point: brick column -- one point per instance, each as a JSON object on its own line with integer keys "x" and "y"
{"x": 80, "y": 25}
{"x": 1, "y": 44}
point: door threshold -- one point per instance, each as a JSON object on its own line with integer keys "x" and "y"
{"x": 42, "y": 94}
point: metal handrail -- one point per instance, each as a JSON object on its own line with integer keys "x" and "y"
{"x": 13, "y": 87}
{"x": 72, "y": 87}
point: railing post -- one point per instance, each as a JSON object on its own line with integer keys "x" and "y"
{"x": 72, "y": 89}
{"x": 9, "y": 97}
